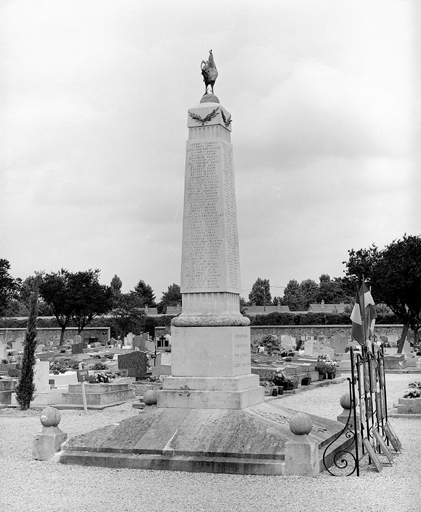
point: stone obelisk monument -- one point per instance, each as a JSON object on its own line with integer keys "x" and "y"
{"x": 211, "y": 414}
{"x": 211, "y": 362}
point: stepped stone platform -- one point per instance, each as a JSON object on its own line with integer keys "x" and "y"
{"x": 98, "y": 396}
{"x": 406, "y": 408}
{"x": 239, "y": 441}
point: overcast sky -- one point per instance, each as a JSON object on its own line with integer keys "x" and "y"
{"x": 94, "y": 99}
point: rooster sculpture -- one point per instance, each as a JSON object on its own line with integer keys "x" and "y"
{"x": 209, "y": 72}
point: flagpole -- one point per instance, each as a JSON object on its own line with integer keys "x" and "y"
{"x": 362, "y": 306}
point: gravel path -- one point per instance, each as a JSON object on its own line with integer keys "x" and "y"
{"x": 28, "y": 485}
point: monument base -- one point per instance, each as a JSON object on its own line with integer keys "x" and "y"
{"x": 211, "y": 392}
{"x": 246, "y": 441}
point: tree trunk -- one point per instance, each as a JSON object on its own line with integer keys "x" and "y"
{"x": 402, "y": 339}
{"x": 62, "y": 336}
{"x": 416, "y": 329}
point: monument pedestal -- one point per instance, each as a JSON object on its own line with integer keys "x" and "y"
{"x": 211, "y": 369}
{"x": 211, "y": 392}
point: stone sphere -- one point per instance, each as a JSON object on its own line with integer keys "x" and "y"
{"x": 346, "y": 401}
{"x": 150, "y": 397}
{"x": 300, "y": 424}
{"x": 50, "y": 417}
{"x": 209, "y": 98}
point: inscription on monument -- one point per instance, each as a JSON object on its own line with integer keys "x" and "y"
{"x": 210, "y": 240}
{"x": 241, "y": 353}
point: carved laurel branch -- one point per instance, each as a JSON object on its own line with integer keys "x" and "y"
{"x": 206, "y": 119}
{"x": 210, "y": 321}
{"x": 228, "y": 121}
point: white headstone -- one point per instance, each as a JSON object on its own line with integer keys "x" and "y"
{"x": 41, "y": 377}
{"x": 3, "y": 350}
{"x": 128, "y": 340}
{"x": 308, "y": 348}
{"x": 166, "y": 358}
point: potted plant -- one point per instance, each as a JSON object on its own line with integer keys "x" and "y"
{"x": 284, "y": 381}
{"x": 326, "y": 367}
{"x": 306, "y": 381}
{"x": 331, "y": 369}
{"x": 321, "y": 367}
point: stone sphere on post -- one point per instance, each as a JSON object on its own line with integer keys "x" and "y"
{"x": 346, "y": 401}
{"x": 300, "y": 424}
{"x": 50, "y": 417}
{"x": 150, "y": 397}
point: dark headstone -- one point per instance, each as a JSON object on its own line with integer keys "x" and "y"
{"x": 14, "y": 373}
{"x": 77, "y": 348}
{"x": 135, "y": 363}
{"x": 138, "y": 342}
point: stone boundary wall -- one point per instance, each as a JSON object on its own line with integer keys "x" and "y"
{"x": 298, "y": 331}
{"x": 53, "y": 333}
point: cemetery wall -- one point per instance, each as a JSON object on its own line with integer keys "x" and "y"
{"x": 47, "y": 334}
{"x": 298, "y": 331}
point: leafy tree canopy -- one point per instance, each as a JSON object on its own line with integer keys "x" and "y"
{"x": 77, "y": 296}
{"x": 127, "y": 314}
{"x": 171, "y": 297}
{"x": 395, "y": 276}
{"x": 116, "y": 284}
{"x": 145, "y": 294}
{"x": 292, "y": 295}
{"x": 8, "y": 287}
{"x": 260, "y": 293}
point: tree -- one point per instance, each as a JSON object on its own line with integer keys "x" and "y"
{"x": 89, "y": 297}
{"x": 77, "y": 296}
{"x": 309, "y": 290}
{"x": 25, "y": 389}
{"x": 127, "y": 314}
{"x": 8, "y": 287}
{"x": 334, "y": 291}
{"x": 54, "y": 289}
{"x": 145, "y": 293}
{"x": 25, "y": 293}
{"x": 395, "y": 276}
{"x": 172, "y": 297}
{"x": 260, "y": 293}
{"x": 292, "y": 295}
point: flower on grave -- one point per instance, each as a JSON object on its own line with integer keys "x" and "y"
{"x": 325, "y": 364}
{"x": 412, "y": 393}
{"x": 414, "y": 385}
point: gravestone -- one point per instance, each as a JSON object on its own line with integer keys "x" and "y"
{"x": 77, "y": 348}
{"x": 41, "y": 377}
{"x": 339, "y": 343}
{"x": 3, "y": 350}
{"x": 138, "y": 342}
{"x": 128, "y": 340}
{"x": 393, "y": 340}
{"x": 135, "y": 363}
{"x": 77, "y": 338}
{"x": 288, "y": 342}
{"x": 309, "y": 348}
{"x": 18, "y": 345}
